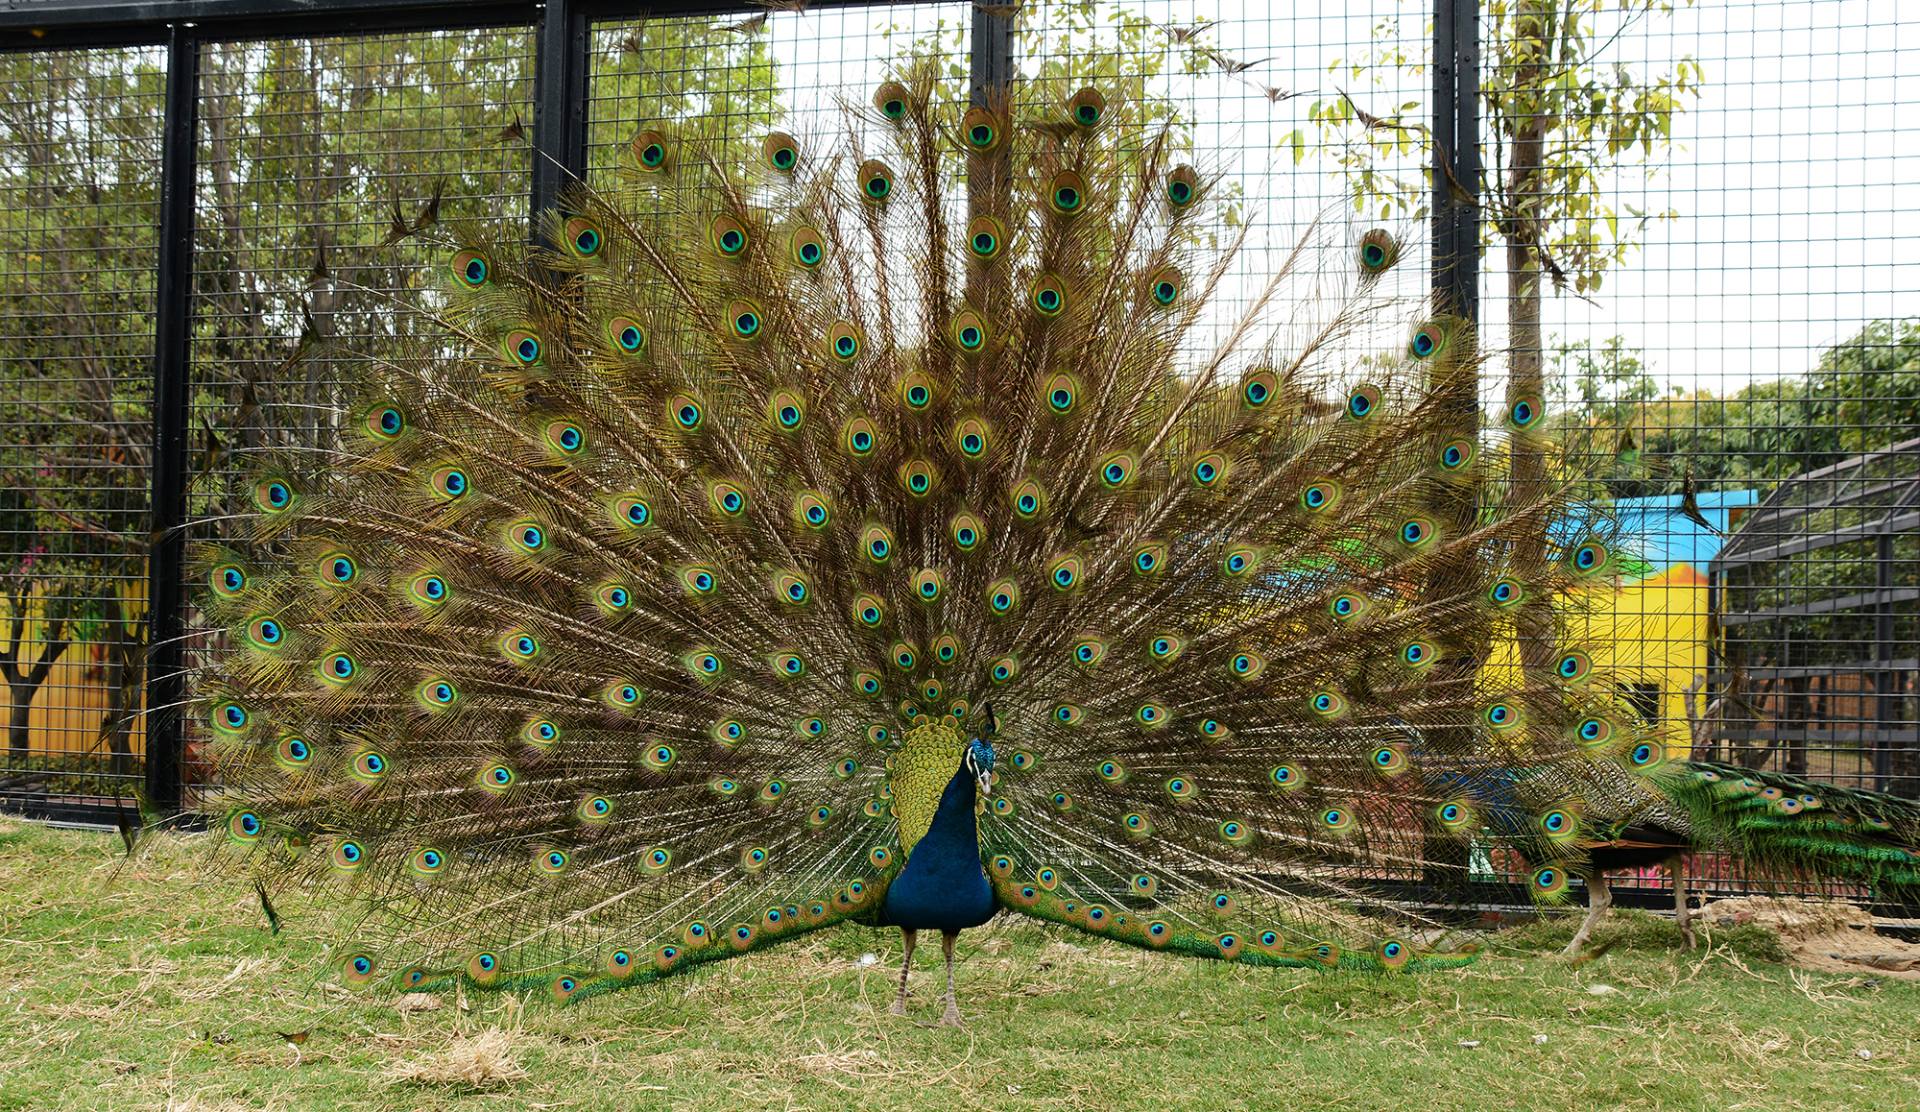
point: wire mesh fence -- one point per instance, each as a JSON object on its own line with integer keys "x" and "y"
{"x": 1695, "y": 261}
{"x": 80, "y": 131}
{"x": 311, "y": 152}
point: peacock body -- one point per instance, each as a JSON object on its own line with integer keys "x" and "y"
{"x": 650, "y": 611}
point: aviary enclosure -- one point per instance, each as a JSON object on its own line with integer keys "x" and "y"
{"x": 1695, "y": 244}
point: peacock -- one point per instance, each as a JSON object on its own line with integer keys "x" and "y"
{"x": 911, "y": 526}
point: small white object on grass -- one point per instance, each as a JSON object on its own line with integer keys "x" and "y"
{"x": 1539, "y": 1040}
{"x": 1601, "y": 990}
{"x": 868, "y": 959}
{"x": 1469, "y": 1043}
{"x": 1865, "y": 1054}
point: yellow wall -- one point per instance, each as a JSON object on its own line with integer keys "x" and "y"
{"x": 69, "y": 709}
{"x": 1650, "y": 630}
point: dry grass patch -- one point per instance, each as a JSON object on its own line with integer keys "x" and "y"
{"x": 488, "y": 1060}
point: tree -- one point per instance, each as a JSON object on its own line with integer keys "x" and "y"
{"x": 1562, "y": 124}
{"x": 1862, "y": 394}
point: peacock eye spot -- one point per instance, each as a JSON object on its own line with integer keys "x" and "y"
{"x": 981, "y": 135}
{"x": 1049, "y": 299}
{"x": 810, "y": 253}
{"x": 476, "y": 271}
{"x": 587, "y": 242}
{"x": 784, "y": 158}
{"x": 1180, "y": 192}
{"x": 653, "y": 154}
{"x": 1066, "y": 197}
{"x": 1423, "y": 343}
{"x": 1373, "y": 254}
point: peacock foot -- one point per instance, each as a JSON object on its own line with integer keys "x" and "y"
{"x": 899, "y": 1006}
{"x": 951, "y": 1017}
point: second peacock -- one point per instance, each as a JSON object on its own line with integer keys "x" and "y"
{"x": 650, "y": 611}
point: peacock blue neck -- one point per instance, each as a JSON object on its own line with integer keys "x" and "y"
{"x": 943, "y": 886}
{"x": 953, "y": 830}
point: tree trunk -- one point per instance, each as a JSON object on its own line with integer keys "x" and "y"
{"x": 124, "y": 673}
{"x": 1520, "y": 227}
{"x": 18, "y": 719}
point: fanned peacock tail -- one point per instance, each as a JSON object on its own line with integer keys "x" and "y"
{"x": 584, "y": 658}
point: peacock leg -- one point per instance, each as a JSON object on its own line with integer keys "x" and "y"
{"x": 1599, "y": 899}
{"x": 951, "y": 1017}
{"x": 1682, "y": 911}
{"x": 906, "y": 964}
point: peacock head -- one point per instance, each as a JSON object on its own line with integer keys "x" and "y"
{"x": 979, "y": 761}
{"x": 980, "y": 756}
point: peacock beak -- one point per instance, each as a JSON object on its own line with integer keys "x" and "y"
{"x": 986, "y": 781}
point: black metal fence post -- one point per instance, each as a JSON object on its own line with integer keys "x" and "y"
{"x": 172, "y": 336}
{"x": 1456, "y": 157}
{"x": 559, "y": 104}
{"x": 990, "y": 59}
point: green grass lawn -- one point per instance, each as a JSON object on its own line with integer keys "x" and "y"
{"x": 149, "y": 985}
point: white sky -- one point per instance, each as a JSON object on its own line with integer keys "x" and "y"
{"x": 1795, "y": 174}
